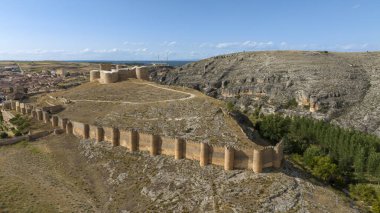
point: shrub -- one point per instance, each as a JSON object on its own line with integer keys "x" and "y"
{"x": 376, "y": 206}
{"x": 3, "y": 135}
{"x": 364, "y": 193}
{"x": 18, "y": 133}
{"x": 324, "y": 168}
{"x": 310, "y": 155}
{"x": 230, "y": 106}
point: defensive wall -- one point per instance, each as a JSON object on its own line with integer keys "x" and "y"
{"x": 230, "y": 158}
{"x": 108, "y": 73}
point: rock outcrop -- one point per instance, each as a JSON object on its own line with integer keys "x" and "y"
{"x": 339, "y": 87}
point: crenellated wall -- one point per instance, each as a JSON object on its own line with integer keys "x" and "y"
{"x": 228, "y": 157}
{"x": 107, "y": 74}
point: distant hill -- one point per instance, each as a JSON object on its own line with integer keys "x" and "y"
{"x": 339, "y": 87}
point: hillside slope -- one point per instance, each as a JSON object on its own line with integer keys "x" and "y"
{"x": 343, "y": 87}
{"x": 63, "y": 174}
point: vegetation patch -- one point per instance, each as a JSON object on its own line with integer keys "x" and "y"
{"x": 338, "y": 156}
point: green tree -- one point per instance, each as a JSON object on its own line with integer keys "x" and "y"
{"x": 324, "y": 168}
{"x": 373, "y": 165}
{"x": 310, "y": 156}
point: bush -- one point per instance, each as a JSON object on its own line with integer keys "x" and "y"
{"x": 3, "y": 135}
{"x": 18, "y": 133}
{"x": 310, "y": 155}
{"x": 324, "y": 168}
{"x": 230, "y": 106}
{"x": 376, "y": 206}
{"x": 365, "y": 193}
{"x": 274, "y": 127}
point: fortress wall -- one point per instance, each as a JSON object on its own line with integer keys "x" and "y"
{"x": 39, "y": 115}
{"x": 251, "y": 159}
{"x": 78, "y": 129}
{"x": 125, "y": 74}
{"x": 267, "y": 157}
{"x": 112, "y": 135}
{"x": 145, "y": 141}
{"x": 62, "y": 123}
{"x": 93, "y": 132}
{"x": 106, "y": 67}
{"x": 108, "y": 77}
{"x": 216, "y": 155}
{"x": 142, "y": 73}
{"x": 46, "y": 117}
{"x": 54, "y": 121}
{"x": 7, "y": 105}
{"x": 229, "y": 158}
{"x": 108, "y": 134}
{"x": 13, "y": 105}
{"x": 17, "y": 106}
{"x": 192, "y": 150}
{"x": 167, "y": 146}
{"x": 278, "y": 153}
{"x": 125, "y": 138}
{"x": 243, "y": 159}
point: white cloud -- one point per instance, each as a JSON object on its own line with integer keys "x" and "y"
{"x": 133, "y": 43}
{"x": 244, "y": 44}
{"x": 169, "y": 43}
{"x": 227, "y": 45}
{"x": 356, "y": 6}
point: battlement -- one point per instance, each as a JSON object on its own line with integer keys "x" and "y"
{"x": 230, "y": 158}
{"x": 109, "y": 73}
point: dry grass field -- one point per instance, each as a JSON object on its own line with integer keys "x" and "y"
{"x": 148, "y": 107}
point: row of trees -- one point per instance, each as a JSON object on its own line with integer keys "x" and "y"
{"x": 353, "y": 152}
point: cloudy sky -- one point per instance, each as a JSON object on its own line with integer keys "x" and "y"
{"x": 182, "y": 29}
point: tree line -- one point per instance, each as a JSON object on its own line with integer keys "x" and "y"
{"x": 355, "y": 154}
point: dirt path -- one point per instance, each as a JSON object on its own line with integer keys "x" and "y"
{"x": 190, "y": 96}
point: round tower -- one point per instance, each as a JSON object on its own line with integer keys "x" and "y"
{"x": 99, "y": 134}
{"x": 115, "y": 137}
{"x": 94, "y": 75}
{"x": 154, "y": 147}
{"x": 229, "y": 155}
{"x": 278, "y": 155}
{"x": 178, "y": 152}
{"x": 203, "y": 157}
{"x": 108, "y": 77}
{"x": 257, "y": 164}
{"x": 142, "y": 73}
{"x": 134, "y": 140}
{"x": 54, "y": 121}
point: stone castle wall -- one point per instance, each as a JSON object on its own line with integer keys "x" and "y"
{"x": 107, "y": 74}
{"x": 132, "y": 140}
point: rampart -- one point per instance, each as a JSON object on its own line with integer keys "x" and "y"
{"x": 255, "y": 159}
{"x": 108, "y": 73}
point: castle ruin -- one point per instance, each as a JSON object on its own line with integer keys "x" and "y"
{"x": 109, "y": 73}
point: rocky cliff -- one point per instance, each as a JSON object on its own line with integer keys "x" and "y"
{"x": 340, "y": 87}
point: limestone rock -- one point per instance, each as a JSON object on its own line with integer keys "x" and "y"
{"x": 342, "y": 87}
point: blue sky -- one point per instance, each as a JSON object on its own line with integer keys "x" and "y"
{"x": 182, "y": 29}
